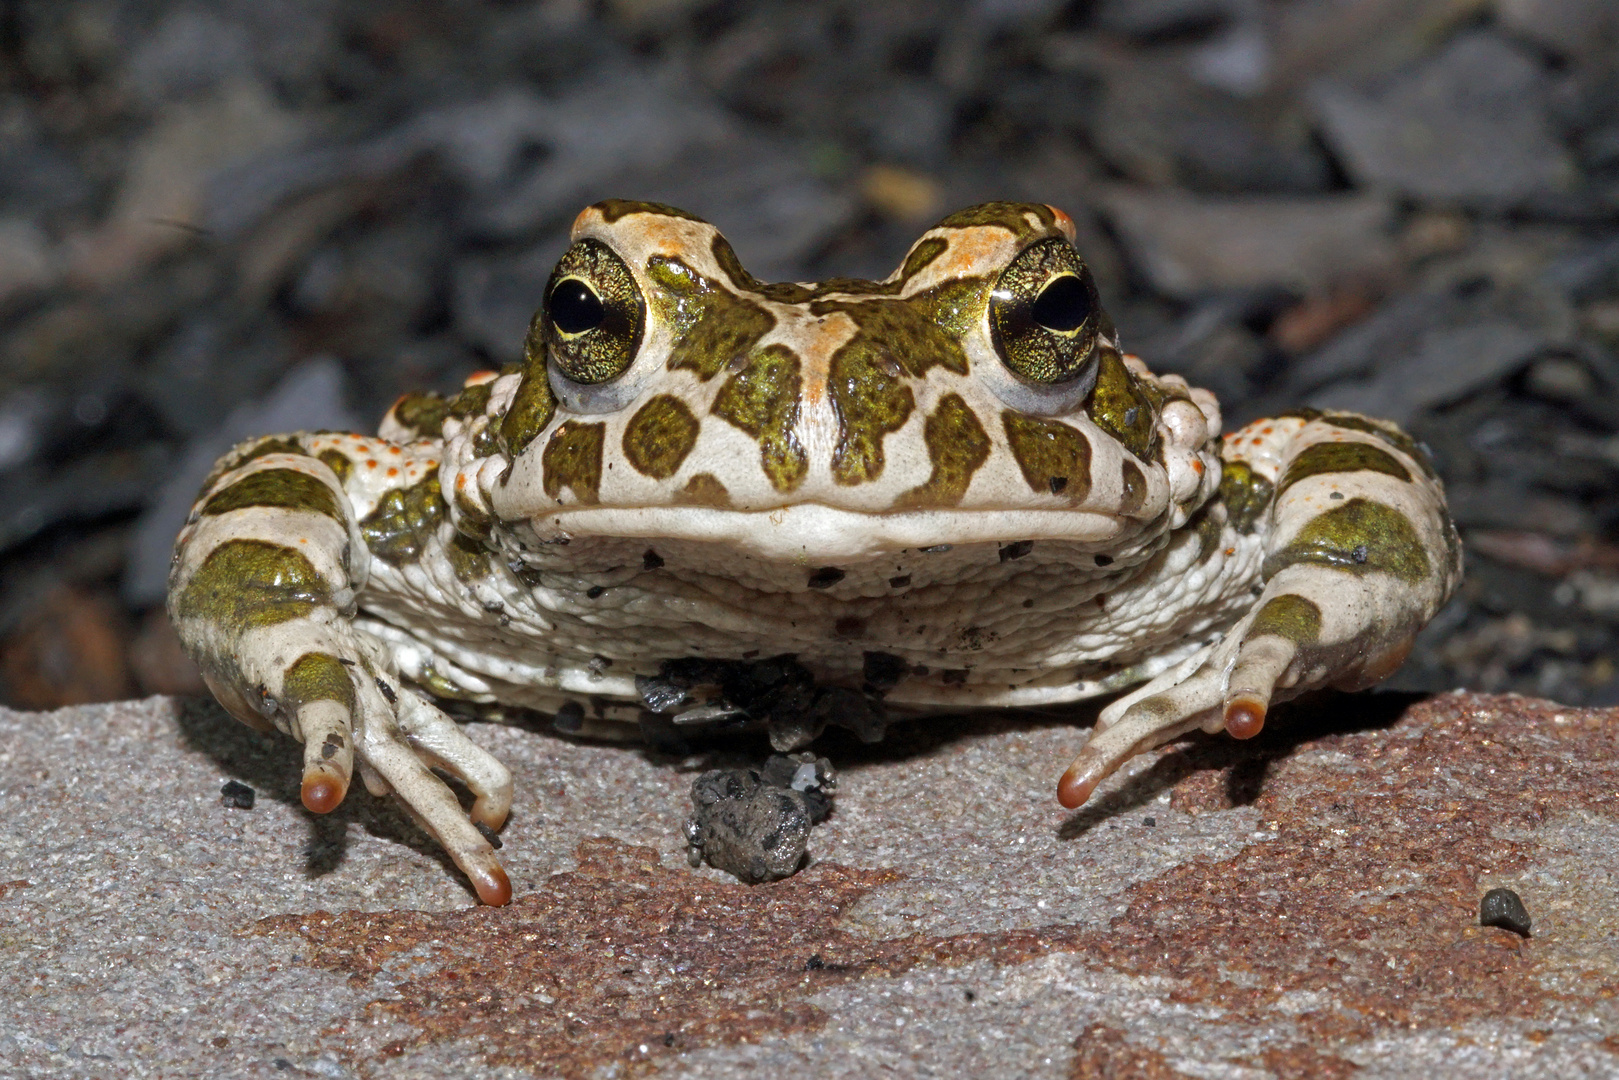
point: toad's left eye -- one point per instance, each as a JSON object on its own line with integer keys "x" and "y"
{"x": 1044, "y": 313}
{"x": 593, "y": 318}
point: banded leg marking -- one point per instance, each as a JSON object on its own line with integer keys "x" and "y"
{"x": 1360, "y": 554}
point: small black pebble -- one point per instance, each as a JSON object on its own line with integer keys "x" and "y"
{"x": 970, "y": 996}
{"x": 1149, "y": 822}
{"x": 237, "y": 795}
{"x": 570, "y": 719}
{"x": 488, "y": 834}
{"x": 1503, "y": 908}
{"x": 814, "y": 963}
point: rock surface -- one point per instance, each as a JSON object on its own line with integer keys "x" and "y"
{"x": 1303, "y": 905}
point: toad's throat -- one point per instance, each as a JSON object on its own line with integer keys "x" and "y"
{"x": 811, "y": 532}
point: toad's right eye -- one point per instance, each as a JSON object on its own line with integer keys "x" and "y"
{"x": 594, "y": 316}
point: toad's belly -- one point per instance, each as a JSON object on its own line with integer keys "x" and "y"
{"x": 976, "y": 624}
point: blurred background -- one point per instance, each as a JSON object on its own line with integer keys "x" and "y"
{"x": 228, "y": 217}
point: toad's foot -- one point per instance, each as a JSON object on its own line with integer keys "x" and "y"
{"x": 262, "y": 591}
{"x": 1359, "y": 555}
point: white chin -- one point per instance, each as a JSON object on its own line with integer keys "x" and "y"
{"x": 811, "y": 532}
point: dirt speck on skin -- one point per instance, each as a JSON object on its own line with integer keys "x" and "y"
{"x": 1360, "y": 893}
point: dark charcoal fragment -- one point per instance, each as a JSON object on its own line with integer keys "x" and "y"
{"x": 883, "y": 671}
{"x": 778, "y": 694}
{"x": 1503, "y": 908}
{"x": 237, "y": 795}
{"x": 570, "y": 719}
{"x": 488, "y": 834}
{"x": 755, "y": 823}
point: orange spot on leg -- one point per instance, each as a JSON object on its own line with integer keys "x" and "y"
{"x": 1244, "y": 718}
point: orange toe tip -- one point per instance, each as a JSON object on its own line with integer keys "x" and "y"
{"x": 1244, "y": 718}
{"x": 494, "y": 887}
{"x": 1073, "y": 790}
{"x": 323, "y": 793}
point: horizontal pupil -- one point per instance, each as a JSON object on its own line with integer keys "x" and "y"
{"x": 1063, "y": 305}
{"x": 574, "y": 308}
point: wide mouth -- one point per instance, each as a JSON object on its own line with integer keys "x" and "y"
{"x": 806, "y": 532}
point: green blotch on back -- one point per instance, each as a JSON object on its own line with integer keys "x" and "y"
{"x": 1246, "y": 494}
{"x": 532, "y": 406}
{"x": 1011, "y": 216}
{"x": 1208, "y": 530}
{"x": 1333, "y": 457}
{"x": 1288, "y": 616}
{"x": 339, "y": 463}
{"x": 660, "y": 435}
{"x": 404, "y": 520}
{"x": 249, "y": 451}
{"x": 957, "y": 447}
{"x": 316, "y": 676}
{"x": 573, "y": 460}
{"x": 244, "y": 584}
{"x": 469, "y": 559}
{"x": 870, "y": 402}
{"x": 287, "y": 489}
{"x": 472, "y": 521}
{"x": 614, "y": 209}
{"x": 1119, "y": 406}
{"x": 1359, "y": 537}
{"x": 712, "y": 325}
{"x": 1055, "y": 457}
{"x": 894, "y": 339}
{"x": 1385, "y": 431}
{"x": 704, "y": 489}
{"x": 423, "y": 412}
{"x": 763, "y": 400}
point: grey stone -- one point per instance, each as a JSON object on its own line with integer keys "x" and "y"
{"x": 495, "y": 297}
{"x": 909, "y": 121}
{"x": 1466, "y": 127}
{"x": 755, "y": 823}
{"x": 1446, "y": 366}
{"x": 619, "y": 124}
{"x": 1187, "y": 245}
{"x": 1504, "y": 908}
{"x": 152, "y": 931}
{"x": 1160, "y": 127}
{"x": 762, "y": 194}
{"x": 1584, "y": 29}
{"x": 191, "y": 50}
{"x": 1156, "y": 18}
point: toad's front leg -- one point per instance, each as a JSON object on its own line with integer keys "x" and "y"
{"x": 1359, "y": 554}
{"x": 262, "y": 593}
